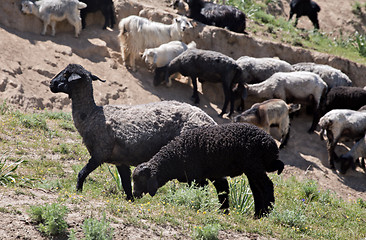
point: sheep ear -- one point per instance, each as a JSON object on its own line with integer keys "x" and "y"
{"x": 94, "y": 78}
{"x": 74, "y": 77}
{"x": 152, "y": 186}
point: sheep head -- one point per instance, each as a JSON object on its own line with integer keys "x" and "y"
{"x": 182, "y": 23}
{"x": 161, "y": 75}
{"x": 144, "y": 181}
{"x": 27, "y": 7}
{"x": 72, "y": 75}
{"x": 346, "y": 163}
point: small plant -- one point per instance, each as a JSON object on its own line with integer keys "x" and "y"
{"x": 50, "y": 217}
{"x": 116, "y": 178}
{"x": 360, "y": 44}
{"x": 310, "y": 191}
{"x": 361, "y": 203}
{"x": 97, "y": 230}
{"x": 4, "y": 108}
{"x": 7, "y": 171}
{"x": 197, "y": 198}
{"x": 208, "y": 232}
{"x": 241, "y": 197}
{"x": 290, "y": 218}
{"x": 357, "y": 8}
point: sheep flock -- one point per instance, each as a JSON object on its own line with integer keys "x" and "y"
{"x": 169, "y": 140}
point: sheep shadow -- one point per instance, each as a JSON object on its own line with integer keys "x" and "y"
{"x": 181, "y": 90}
{"x": 94, "y": 43}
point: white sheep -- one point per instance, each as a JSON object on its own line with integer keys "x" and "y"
{"x": 52, "y": 11}
{"x": 138, "y": 33}
{"x": 341, "y": 125}
{"x": 294, "y": 87}
{"x": 268, "y": 113}
{"x": 332, "y": 76}
{"x": 162, "y": 55}
{"x": 357, "y": 151}
{"x": 259, "y": 69}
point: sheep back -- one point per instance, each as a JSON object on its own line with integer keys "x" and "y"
{"x": 260, "y": 69}
{"x": 332, "y": 76}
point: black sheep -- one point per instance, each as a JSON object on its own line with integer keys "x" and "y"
{"x": 214, "y": 153}
{"x": 208, "y": 65}
{"x": 305, "y": 8}
{"x": 105, "y": 6}
{"x": 217, "y": 15}
{"x": 342, "y": 97}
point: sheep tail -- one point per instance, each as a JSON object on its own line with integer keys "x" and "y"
{"x": 276, "y": 165}
{"x": 192, "y": 45}
{"x": 293, "y": 107}
{"x": 81, "y": 5}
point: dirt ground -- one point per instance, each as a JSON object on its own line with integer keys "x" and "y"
{"x": 28, "y": 61}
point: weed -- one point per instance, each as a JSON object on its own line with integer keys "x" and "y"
{"x": 208, "y": 232}
{"x": 289, "y": 217}
{"x": 50, "y": 217}
{"x": 97, "y": 229}
{"x": 360, "y": 44}
{"x": 241, "y": 197}
{"x": 310, "y": 191}
{"x": 7, "y": 171}
{"x": 361, "y": 203}
{"x": 116, "y": 178}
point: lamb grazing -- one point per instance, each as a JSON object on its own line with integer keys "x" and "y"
{"x": 105, "y": 6}
{"x": 259, "y": 69}
{"x": 223, "y": 16}
{"x": 138, "y": 33}
{"x": 332, "y": 76}
{"x": 292, "y": 87}
{"x": 214, "y": 152}
{"x": 305, "y": 8}
{"x": 52, "y": 11}
{"x": 357, "y": 151}
{"x": 162, "y": 55}
{"x": 122, "y": 135}
{"x": 342, "y": 97}
{"x": 208, "y": 65}
{"x": 268, "y": 113}
{"x": 342, "y": 125}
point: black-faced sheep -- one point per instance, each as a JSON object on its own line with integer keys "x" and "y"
{"x": 304, "y": 87}
{"x": 52, "y": 11}
{"x": 331, "y": 76}
{"x": 105, "y": 6}
{"x": 273, "y": 112}
{"x": 343, "y": 98}
{"x": 208, "y": 65}
{"x": 342, "y": 125}
{"x": 224, "y": 16}
{"x": 120, "y": 134}
{"x": 213, "y": 153}
{"x": 259, "y": 69}
{"x": 357, "y": 151}
{"x": 138, "y": 33}
{"x": 305, "y": 8}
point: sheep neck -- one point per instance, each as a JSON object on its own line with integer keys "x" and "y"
{"x": 35, "y": 9}
{"x": 167, "y": 166}
{"x": 83, "y": 105}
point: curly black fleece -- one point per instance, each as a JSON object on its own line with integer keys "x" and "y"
{"x": 215, "y": 152}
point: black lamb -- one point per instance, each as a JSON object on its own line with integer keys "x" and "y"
{"x": 208, "y": 66}
{"x": 305, "y": 8}
{"x": 217, "y": 15}
{"x": 214, "y": 153}
{"x": 105, "y": 6}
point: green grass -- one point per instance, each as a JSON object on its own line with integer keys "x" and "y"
{"x": 52, "y": 162}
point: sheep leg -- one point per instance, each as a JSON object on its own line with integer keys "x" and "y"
{"x": 195, "y": 96}
{"x": 263, "y": 193}
{"x": 222, "y": 189}
{"x": 228, "y": 97}
{"x": 83, "y": 19}
{"x": 87, "y": 169}
{"x": 125, "y": 174}
{"x": 45, "y": 24}
{"x": 284, "y": 138}
{"x": 331, "y": 143}
{"x": 53, "y": 27}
